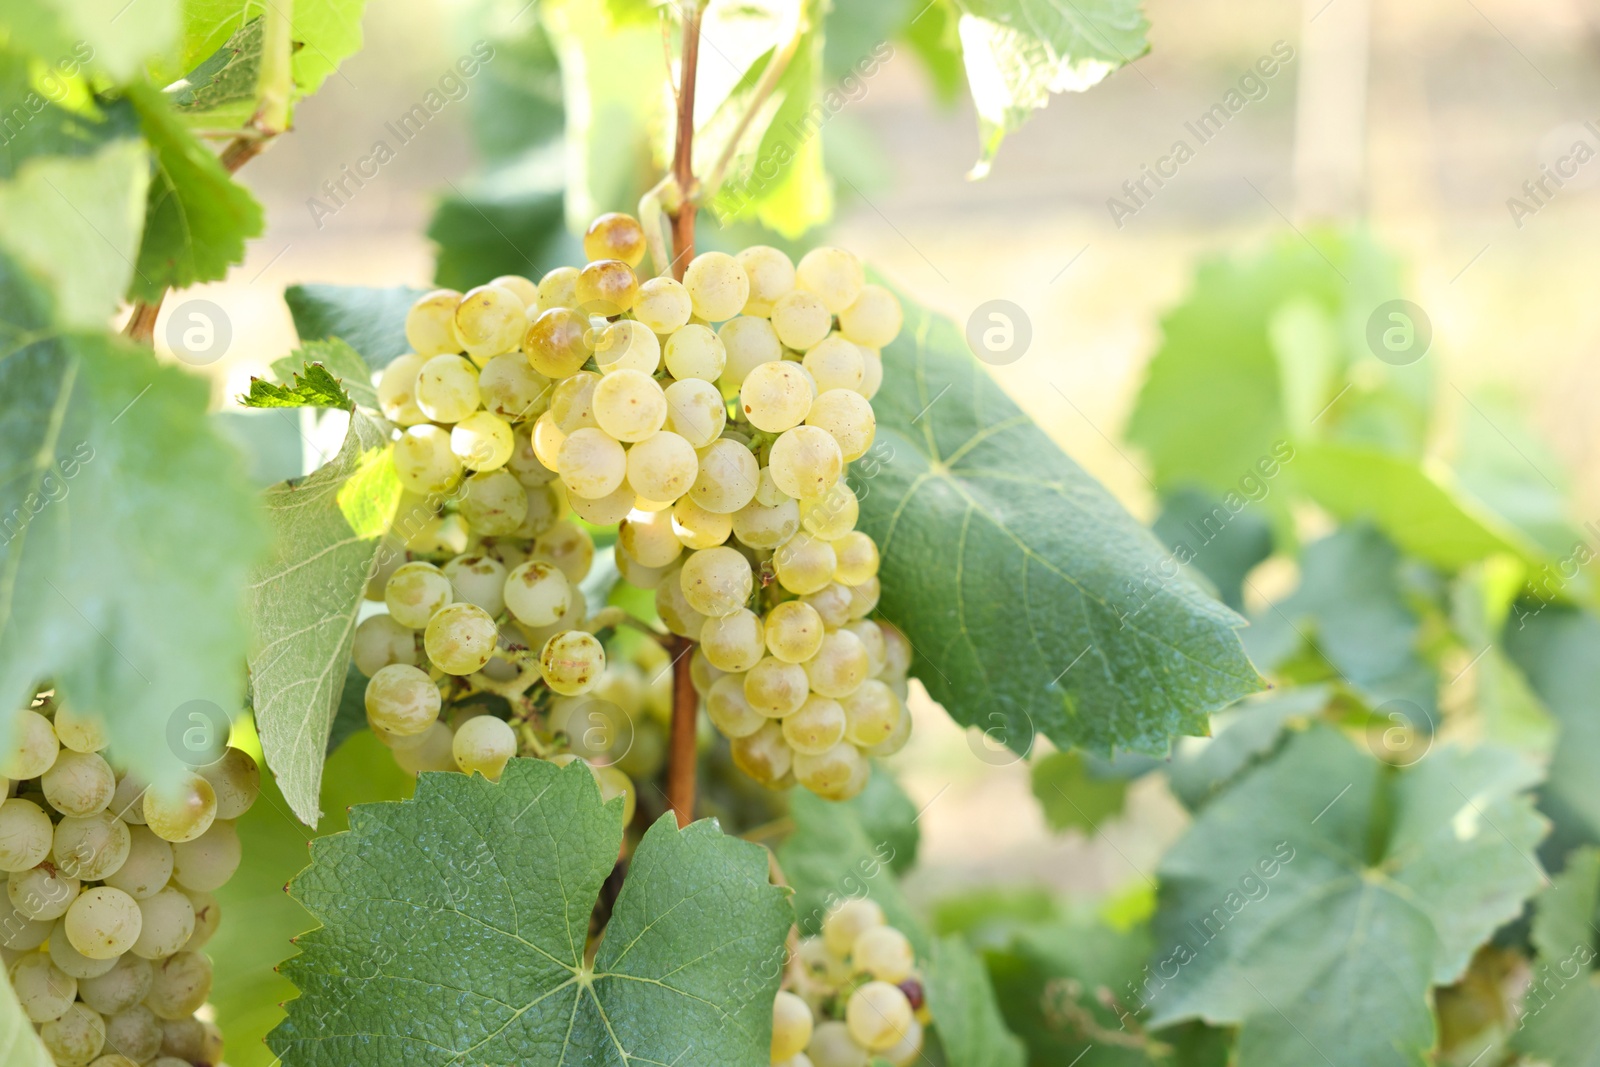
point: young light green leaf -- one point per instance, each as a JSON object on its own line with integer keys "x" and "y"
{"x": 493, "y": 885}
{"x": 94, "y": 31}
{"x": 327, "y": 532}
{"x": 965, "y": 495}
{"x": 1019, "y": 52}
{"x": 198, "y": 218}
{"x": 1071, "y": 796}
{"x": 371, "y": 321}
{"x": 342, "y": 362}
{"x": 316, "y": 388}
{"x": 327, "y": 32}
{"x": 73, "y": 225}
{"x": 961, "y": 1000}
{"x": 221, "y": 90}
{"x": 1316, "y": 901}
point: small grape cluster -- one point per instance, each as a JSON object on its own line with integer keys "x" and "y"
{"x": 711, "y": 420}
{"x": 855, "y": 995}
{"x": 109, "y": 894}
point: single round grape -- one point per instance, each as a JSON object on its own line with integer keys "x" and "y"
{"x": 236, "y": 779}
{"x": 608, "y": 510}
{"x": 648, "y": 538}
{"x": 749, "y": 343}
{"x": 734, "y": 642}
{"x": 400, "y": 699}
{"x": 871, "y": 372}
{"x": 166, "y": 924}
{"x": 775, "y": 396}
{"x": 571, "y": 662}
{"x": 695, "y": 352}
{"x": 831, "y": 515}
{"x": 75, "y": 1038}
{"x": 33, "y": 747}
{"x": 485, "y": 745}
{"x": 537, "y": 593}
{"x": 434, "y": 751}
{"x": 79, "y": 783}
{"x": 856, "y": 556}
{"x": 91, "y": 847}
{"x": 547, "y": 439}
{"x": 70, "y": 959}
{"x": 835, "y": 363}
{"x": 864, "y": 598}
{"x": 447, "y": 388}
{"x": 511, "y": 389}
{"x": 568, "y": 547}
{"x": 135, "y": 1034}
{"x": 771, "y": 275}
{"x": 127, "y": 983}
{"x": 103, "y": 922}
{"x": 698, "y": 528}
{"x": 80, "y": 732}
{"x": 819, "y": 967}
{"x": 885, "y": 953}
{"x": 871, "y": 638}
{"x": 554, "y": 342}
{"x": 801, "y": 319}
{"x": 663, "y": 466}
{"x": 804, "y": 563}
{"x": 816, "y": 727}
{"x": 493, "y": 503}
{"x": 461, "y": 638}
{"x": 848, "y": 418}
{"x": 718, "y": 286}
{"x": 148, "y": 867}
{"x": 776, "y": 688}
{"x": 764, "y": 755}
{"x": 834, "y": 274}
{"x": 791, "y": 1025}
{"x": 430, "y": 323}
{"x": 613, "y": 784}
{"x": 837, "y": 774}
{"x": 627, "y": 345}
{"x": 607, "y": 287}
{"x": 545, "y": 505}
{"x": 728, "y": 476}
{"x": 397, "y": 390}
{"x": 832, "y": 1046}
{"x": 878, "y": 1015}
{"x": 629, "y": 405}
{"x": 191, "y": 1040}
{"x": 559, "y": 289}
{"x": 695, "y": 411}
{"x": 592, "y": 463}
{"x": 380, "y": 641}
{"x": 182, "y": 984}
{"x": 187, "y": 812}
{"x": 525, "y": 462}
{"x": 716, "y": 581}
{"x": 481, "y": 441}
{"x": 525, "y": 290}
{"x": 728, "y": 709}
{"x": 794, "y": 631}
{"x": 662, "y": 305}
{"x": 572, "y": 402}
{"x": 839, "y": 666}
{"x": 765, "y": 527}
{"x": 25, "y": 835}
{"x": 874, "y": 318}
{"x": 43, "y": 990}
{"x": 847, "y": 921}
{"x": 615, "y": 236}
{"x": 18, "y": 933}
{"x": 902, "y": 729}
{"x": 207, "y": 862}
{"x": 832, "y": 602}
{"x": 674, "y": 609}
{"x": 42, "y": 892}
{"x": 474, "y": 579}
{"x": 127, "y": 803}
{"x": 806, "y": 461}
{"x": 488, "y": 321}
{"x": 415, "y": 592}
{"x": 423, "y": 460}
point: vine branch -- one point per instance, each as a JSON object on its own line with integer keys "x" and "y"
{"x": 683, "y": 213}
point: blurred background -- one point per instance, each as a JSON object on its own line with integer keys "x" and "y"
{"x": 1422, "y": 118}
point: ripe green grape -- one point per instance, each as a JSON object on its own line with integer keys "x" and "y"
{"x": 488, "y": 321}
{"x": 526, "y": 292}
{"x": 91, "y": 847}
{"x": 127, "y": 983}
{"x": 537, "y": 593}
{"x": 902, "y": 731}
{"x": 70, "y": 959}
{"x": 434, "y": 751}
{"x": 734, "y": 642}
{"x": 871, "y": 637}
{"x": 571, "y": 662}
{"x": 460, "y": 638}
{"x": 33, "y": 747}
{"x": 695, "y": 352}
{"x": 400, "y": 699}
{"x": 834, "y": 274}
{"x": 832, "y": 602}
{"x": 493, "y": 503}
{"x": 572, "y": 402}
{"x": 103, "y": 922}
{"x": 806, "y": 461}
{"x": 615, "y": 236}
{"x": 187, "y": 812}
{"x": 80, "y": 732}
{"x": 206, "y": 863}
{"x": 874, "y": 319}
{"x": 430, "y": 323}
{"x": 839, "y": 666}
{"x": 614, "y": 783}
{"x": 832, "y": 1046}
{"x": 728, "y": 476}
{"x": 148, "y": 865}
{"x": 837, "y": 774}
{"x": 415, "y": 591}
{"x": 474, "y": 579}
{"x": 663, "y": 305}
{"x": 481, "y": 441}
{"x": 544, "y": 507}
{"x": 76, "y": 1038}
{"x": 25, "y": 835}
{"x": 127, "y": 803}
{"x": 525, "y": 462}
{"x": 728, "y": 709}
{"x": 716, "y": 581}
{"x": 847, "y": 417}
{"x": 424, "y": 462}
{"x": 135, "y": 1034}
{"x": 775, "y": 396}
{"x": 835, "y": 363}
{"x": 79, "y": 783}
{"x": 43, "y": 990}
{"x": 166, "y": 924}
{"x": 872, "y": 714}
{"x": 857, "y": 558}
{"x": 181, "y": 984}
{"x": 648, "y": 538}
{"x": 629, "y": 405}
{"x": 559, "y": 289}
{"x": 18, "y": 933}
{"x": 864, "y": 598}
{"x": 763, "y": 527}
{"x": 607, "y": 287}
{"x": 447, "y": 388}
{"x": 554, "y": 342}
{"x": 380, "y": 641}
{"x": 791, "y": 1025}
{"x": 484, "y": 744}
{"x": 695, "y": 411}
{"x": 878, "y": 1015}
{"x": 568, "y": 547}
{"x": 801, "y": 319}
{"x": 663, "y": 466}
{"x": 884, "y": 953}
{"x": 698, "y": 528}
{"x": 609, "y": 509}
{"x": 718, "y": 286}
{"x": 764, "y": 755}
{"x": 805, "y": 563}
{"x": 831, "y": 515}
{"x": 794, "y": 631}
{"x": 236, "y": 779}
{"x": 771, "y": 275}
{"x": 627, "y": 345}
{"x": 592, "y": 463}
{"x": 816, "y": 727}
{"x": 397, "y": 390}
{"x": 674, "y": 609}
{"x": 511, "y": 389}
{"x": 42, "y": 893}
{"x": 776, "y": 688}
{"x": 871, "y": 372}
{"x": 749, "y": 342}
{"x": 847, "y": 921}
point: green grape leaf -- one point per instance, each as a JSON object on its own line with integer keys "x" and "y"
{"x": 493, "y": 885}
{"x": 1018, "y": 52}
{"x": 1315, "y": 902}
{"x": 52, "y": 128}
{"x": 102, "y": 34}
{"x": 517, "y": 105}
{"x": 1560, "y": 1022}
{"x": 1504, "y": 464}
{"x": 933, "y": 38}
{"x": 198, "y": 217}
{"x": 129, "y": 530}
{"x": 510, "y": 221}
{"x": 221, "y": 91}
{"x": 73, "y": 225}
{"x": 1217, "y": 536}
{"x": 371, "y": 321}
{"x": 339, "y": 360}
{"x": 316, "y": 388}
{"x": 1032, "y": 599}
{"x": 961, "y": 1000}
{"x": 1203, "y": 766}
{"x": 270, "y": 442}
{"x": 1072, "y": 796}
{"x": 259, "y": 918}
{"x": 327, "y": 532}
{"x": 325, "y": 33}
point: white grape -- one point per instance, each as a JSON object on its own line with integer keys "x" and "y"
{"x": 695, "y": 351}
{"x": 613, "y": 784}
{"x": 749, "y": 342}
{"x": 885, "y": 953}
{"x": 525, "y": 462}
{"x": 831, "y": 515}
{"x": 874, "y": 318}
{"x": 484, "y": 744}
{"x": 571, "y": 662}
{"x": 525, "y": 290}
{"x": 424, "y": 462}
{"x": 537, "y": 593}
{"x": 648, "y": 538}
{"x": 544, "y": 506}
{"x": 878, "y": 1015}
{"x": 80, "y": 783}
{"x": 716, "y": 581}
{"x": 834, "y": 274}
{"x": 400, "y": 699}
{"x": 728, "y": 476}
{"x": 25, "y": 835}
{"x": 475, "y": 579}
{"x": 771, "y": 275}
{"x": 461, "y": 638}
{"x": 806, "y": 461}
{"x": 187, "y": 811}
{"x": 662, "y": 304}
{"x": 415, "y": 592}
{"x": 592, "y": 463}
{"x": 488, "y": 321}
{"x": 397, "y": 390}
{"x": 835, "y": 363}
{"x": 607, "y": 287}
{"x": 554, "y": 342}
{"x": 512, "y": 389}
{"x": 127, "y": 803}
{"x": 871, "y": 372}
{"x": 76, "y": 1038}
{"x": 126, "y": 983}
{"x": 629, "y": 405}
{"x": 801, "y": 319}
{"x": 103, "y": 922}
{"x": 135, "y": 1034}
{"x": 837, "y": 774}
{"x": 791, "y": 1025}
{"x": 481, "y": 441}
{"x": 380, "y": 641}
{"x": 447, "y": 388}
{"x": 42, "y": 892}
{"x": 91, "y": 847}
{"x": 608, "y": 510}
{"x": 568, "y": 547}
{"x": 166, "y": 923}
{"x": 615, "y": 235}
{"x": 559, "y": 289}
{"x": 663, "y": 466}
{"x": 80, "y": 732}
{"x": 848, "y": 418}
{"x": 794, "y": 631}
{"x": 695, "y": 411}
{"x": 765, "y": 527}
{"x": 33, "y": 747}
{"x": 832, "y": 1046}
{"x": 764, "y": 755}
{"x": 180, "y": 985}
{"x": 839, "y": 666}
{"x": 864, "y": 598}
{"x": 847, "y": 921}
{"x": 871, "y": 638}
{"x": 816, "y": 726}
{"x": 718, "y": 287}
{"x": 857, "y": 558}
{"x": 776, "y": 688}
{"x": 734, "y": 642}
{"x": 728, "y": 709}
{"x": 236, "y": 780}
{"x": 674, "y": 609}
{"x": 832, "y": 602}
{"x": 18, "y": 933}
{"x": 430, "y": 327}
{"x": 433, "y": 752}
{"x": 775, "y": 396}
{"x": 627, "y": 345}
{"x": 43, "y": 990}
{"x": 698, "y": 528}
{"x": 147, "y": 868}
{"x": 71, "y": 960}
{"x": 805, "y": 563}
{"x": 207, "y": 862}
{"x": 493, "y": 503}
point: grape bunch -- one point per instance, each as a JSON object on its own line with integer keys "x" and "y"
{"x": 855, "y": 995}
{"x": 711, "y": 422}
{"x": 109, "y": 893}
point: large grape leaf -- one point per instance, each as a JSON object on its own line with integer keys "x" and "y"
{"x": 1018, "y": 52}
{"x": 1202, "y": 766}
{"x": 53, "y": 130}
{"x": 962, "y": 1001}
{"x": 1561, "y": 1013}
{"x": 102, "y": 34}
{"x": 325, "y": 33}
{"x": 1032, "y": 598}
{"x": 454, "y": 926}
{"x": 306, "y": 598}
{"x": 1316, "y": 901}
{"x": 371, "y": 321}
{"x": 509, "y": 221}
